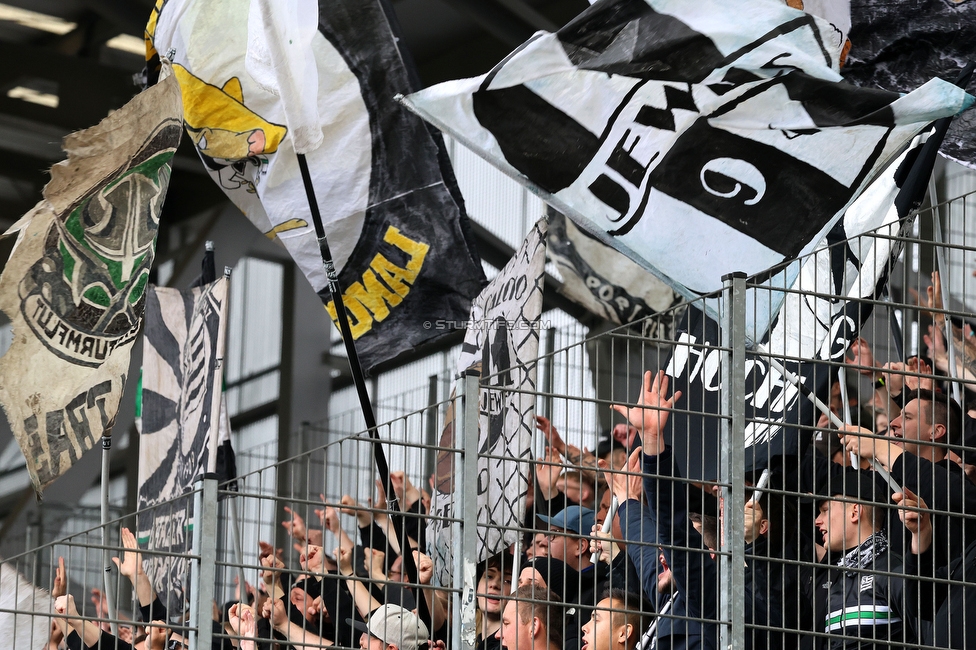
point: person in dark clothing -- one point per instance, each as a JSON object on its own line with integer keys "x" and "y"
{"x": 569, "y": 542}
{"x": 563, "y": 582}
{"x": 494, "y": 581}
{"x": 665, "y": 516}
{"x": 909, "y": 454}
{"x": 532, "y": 621}
{"x": 617, "y": 622}
{"x": 869, "y": 604}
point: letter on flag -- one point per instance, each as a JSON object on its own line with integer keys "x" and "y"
{"x": 182, "y": 375}
{"x": 501, "y": 346}
{"x": 75, "y": 285}
{"x": 390, "y": 210}
{"x": 699, "y": 138}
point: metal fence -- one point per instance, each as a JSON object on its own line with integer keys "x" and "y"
{"x": 739, "y": 515}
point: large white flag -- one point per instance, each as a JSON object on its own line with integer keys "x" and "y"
{"x": 700, "y": 138}
{"x": 501, "y": 346}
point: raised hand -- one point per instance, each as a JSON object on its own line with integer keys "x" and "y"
{"x": 600, "y": 543}
{"x": 269, "y": 574}
{"x": 295, "y": 526}
{"x": 860, "y": 356}
{"x": 60, "y": 587}
{"x": 158, "y": 635}
{"x": 553, "y": 439}
{"x": 131, "y": 563}
{"x": 248, "y": 630}
{"x": 313, "y": 559}
{"x": 425, "y": 567}
{"x": 343, "y": 557}
{"x": 376, "y": 564}
{"x": 652, "y": 410}
{"x": 547, "y": 471}
{"x": 628, "y": 483}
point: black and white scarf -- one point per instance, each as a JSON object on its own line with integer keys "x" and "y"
{"x": 863, "y": 556}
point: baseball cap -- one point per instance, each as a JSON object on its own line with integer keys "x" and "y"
{"x": 395, "y": 625}
{"x": 575, "y": 519}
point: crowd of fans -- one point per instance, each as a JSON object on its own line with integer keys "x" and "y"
{"x": 836, "y": 554}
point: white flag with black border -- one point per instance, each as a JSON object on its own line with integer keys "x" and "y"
{"x": 699, "y": 138}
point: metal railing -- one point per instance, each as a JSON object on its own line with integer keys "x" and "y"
{"x": 700, "y": 549}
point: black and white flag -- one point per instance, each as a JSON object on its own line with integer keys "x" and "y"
{"x": 602, "y": 279}
{"x": 825, "y": 308}
{"x": 501, "y": 346}
{"x": 181, "y": 401}
{"x": 262, "y": 80}
{"x": 898, "y": 45}
{"x": 699, "y": 138}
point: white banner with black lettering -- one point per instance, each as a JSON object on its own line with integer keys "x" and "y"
{"x": 699, "y": 138}
{"x": 501, "y": 346}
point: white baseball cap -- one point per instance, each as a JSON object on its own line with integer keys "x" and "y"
{"x": 395, "y": 625}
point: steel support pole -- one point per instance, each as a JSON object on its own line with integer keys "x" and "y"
{"x": 203, "y": 567}
{"x": 732, "y": 464}
{"x": 107, "y": 584}
{"x": 465, "y": 634}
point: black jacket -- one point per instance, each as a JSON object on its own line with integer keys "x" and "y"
{"x": 867, "y": 608}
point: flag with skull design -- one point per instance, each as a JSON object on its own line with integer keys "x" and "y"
{"x": 75, "y": 284}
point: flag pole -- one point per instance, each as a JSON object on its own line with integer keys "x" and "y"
{"x": 379, "y": 456}
{"x": 818, "y": 403}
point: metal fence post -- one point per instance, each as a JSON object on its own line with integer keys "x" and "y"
{"x": 466, "y": 416}
{"x": 732, "y": 464}
{"x": 203, "y": 568}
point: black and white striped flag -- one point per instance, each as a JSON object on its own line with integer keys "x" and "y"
{"x": 699, "y": 138}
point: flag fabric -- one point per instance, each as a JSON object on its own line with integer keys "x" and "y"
{"x": 849, "y": 263}
{"x": 25, "y": 610}
{"x": 603, "y": 280}
{"x": 181, "y": 403}
{"x": 395, "y": 222}
{"x": 75, "y": 284}
{"x": 897, "y": 45}
{"x": 699, "y": 138}
{"x": 226, "y": 458}
{"x": 835, "y": 12}
{"x": 501, "y": 346}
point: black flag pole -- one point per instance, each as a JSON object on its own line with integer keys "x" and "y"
{"x": 359, "y": 378}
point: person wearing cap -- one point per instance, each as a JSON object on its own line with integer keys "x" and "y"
{"x": 391, "y": 627}
{"x": 533, "y": 620}
{"x": 569, "y": 541}
{"x": 868, "y": 604}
